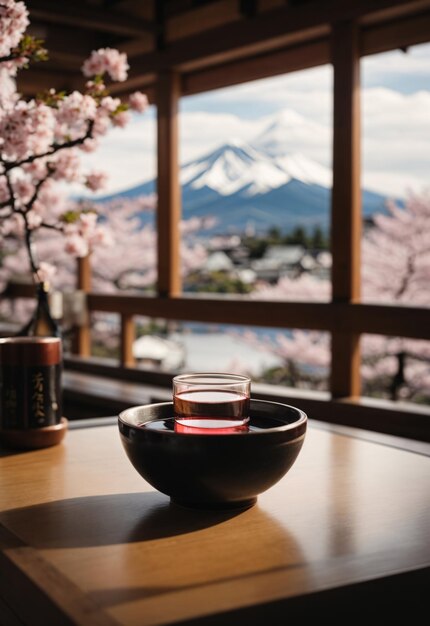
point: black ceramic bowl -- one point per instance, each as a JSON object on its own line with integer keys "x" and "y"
{"x": 213, "y": 471}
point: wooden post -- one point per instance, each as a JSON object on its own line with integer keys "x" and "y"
{"x": 169, "y": 192}
{"x": 82, "y": 338}
{"x": 346, "y": 215}
{"x": 126, "y": 341}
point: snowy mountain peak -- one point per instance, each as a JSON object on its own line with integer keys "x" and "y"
{"x": 237, "y": 166}
{"x": 233, "y": 167}
{"x": 301, "y": 168}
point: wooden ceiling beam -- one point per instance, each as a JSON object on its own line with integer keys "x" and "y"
{"x": 68, "y": 42}
{"x": 202, "y": 18}
{"x": 374, "y": 39}
{"x": 396, "y": 10}
{"x": 137, "y": 46}
{"x": 399, "y": 33}
{"x": 268, "y": 31}
{"x": 301, "y": 52}
{"x": 82, "y": 15}
{"x": 274, "y": 63}
{"x": 33, "y": 81}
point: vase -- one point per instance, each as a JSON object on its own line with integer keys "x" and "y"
{"x": 41, "y": 323}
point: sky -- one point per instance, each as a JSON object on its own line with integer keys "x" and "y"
{"x": 395, "y": 123}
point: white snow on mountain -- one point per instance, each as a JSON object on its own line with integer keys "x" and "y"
{"x": 306, "y": 170}
{"x": 232, "y": 167}
{"x": 237, "y": 166}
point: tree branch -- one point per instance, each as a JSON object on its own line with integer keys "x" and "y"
{"x": 56, "y": 147}
{"x": 28, "y": 232}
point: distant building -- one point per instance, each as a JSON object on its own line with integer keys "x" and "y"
{"x": 159, "y": 352}
{"x": 218, "y": 262}
{"x": 278, "y": 260}
{"x": 284, "y": 255}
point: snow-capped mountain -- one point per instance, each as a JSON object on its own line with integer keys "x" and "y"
{"x": 260, "y": 183}
{"x": 237, "y": 166}
{"x": 232, "y": 168}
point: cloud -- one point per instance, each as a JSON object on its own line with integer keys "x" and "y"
{"x": 308, "y": 92}
{"x": 415, "y": 62}
{"x": 396, "y": 139}
{"x": 201, "y": 132}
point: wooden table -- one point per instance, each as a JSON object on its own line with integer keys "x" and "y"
{"x": 84, "y": 540}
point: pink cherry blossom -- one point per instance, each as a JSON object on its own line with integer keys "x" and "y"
{"x": 33, "y": 219}
{"x": 75, "y": 110}
{"x": 66, "y": 166}
{"x": 23, "y": 190}
{"x": 89, "y": 145}
{"x": 40, "y": 143}
{"x": 13, "y": 23}
{"x": 96, "y": 181}
{"x": 138, "y": 101}
{"x": 76, "y": 245}
{"x": 121, "y": 119}
{"x": 110, "y": 104}
{"x": 106, "y": 60}
{"x": 46, "y": 271}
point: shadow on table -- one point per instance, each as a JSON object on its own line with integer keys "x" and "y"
{"x": 254, "y": 545}
{"x": 108, "y": 519}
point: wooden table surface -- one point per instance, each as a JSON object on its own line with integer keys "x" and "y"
{"x": 84, "y": 540}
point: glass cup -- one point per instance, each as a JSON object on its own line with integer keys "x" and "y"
{"x": 211, "y": 403}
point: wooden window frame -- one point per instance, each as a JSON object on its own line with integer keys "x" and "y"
{"x": 349, "y": 34}
{"x": 344, "y": 317}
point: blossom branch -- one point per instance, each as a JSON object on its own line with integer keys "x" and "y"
{"x": 56, "y": 147}
{"x": 39, "y": 139}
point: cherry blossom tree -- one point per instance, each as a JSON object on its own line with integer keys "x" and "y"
{"x": 129, "y": 264}
{"x": 395, "y": 269}
{"x": 396, "y": 254}
{"x": 305, "y": 356}
{"x": 41, "y": 140}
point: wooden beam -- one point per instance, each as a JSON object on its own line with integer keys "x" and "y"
{"x": 393, "y": 10}
{"x": 140, "y": 45}
{"x": 142, "y": 83}
{"x": 275, "y": 63}
{"x": 80, "y": 14}
{"x": 271, "y": 30}
{"x": 400, "y": 33}
{"x": 68, "y": 42}
{"x": 303, "y": 50}
{"x": 201, "y": 18}
{"x": 84, "y": 274}
{"x": 168, "y": 188}
{"x": 374, "y": 39}
{"x": 389, "y": 320}
{"x": 346, "y": 215}
{"x": 82, "y": 340}
{"x": 32, "y": 81}
{"x": 84, "y": 381}
{"x": 126, "y": 341}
